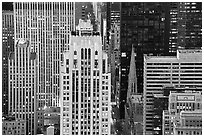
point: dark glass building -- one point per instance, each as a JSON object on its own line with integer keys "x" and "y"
{"x": 113, "y": 16}
{"x": 145, "y": 26}
{"x": 160, "y": 104}
{"x": 7, "y": 47}
{"x": 185, "y": 25}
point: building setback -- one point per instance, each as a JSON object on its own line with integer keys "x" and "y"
{"x": 47, "y": 26}
{"x": 145, "y": 26}
{"x": 7, "y": 47}
{"x": 85, "y": 86}
{"x": 183, "y": 70}
{"x": 23, "y": 85}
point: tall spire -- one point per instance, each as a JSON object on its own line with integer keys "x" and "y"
{"x": 132, "y": 78}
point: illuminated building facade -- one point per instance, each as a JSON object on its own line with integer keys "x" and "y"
{"x": 185, "y": 25}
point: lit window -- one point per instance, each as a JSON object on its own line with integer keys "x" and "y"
{"x": 123, "y": 54}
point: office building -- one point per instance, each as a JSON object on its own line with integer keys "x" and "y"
{"x": 7, "y": 47}
{"x": 144, "y": 26}
{"x": 85, "y": 86}
{"x": 183, "y": 70}
{"x": 190, "y": 123}
{"x": 80, "y": 9}
{"x": 160, "y": 104}
{"x": 47, "y": 26}
{"x": 113, "y": 17}
{"x": 84, "y": 11}
{"x": 13, "y": 126}
{"x": 23, "y": 85}
{"x": 111, "y": 45}
{"x": 185, "y": 25}
{"x": 184, "y": 113}
{"x": 185, "y": 101}
{"x": 46, "y": 117}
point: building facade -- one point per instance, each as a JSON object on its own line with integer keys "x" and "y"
{"x": 23, "y": 85}
{"x": 85, "y": 87}
{"x": 144, "y": 26}
{"x": 112, "y": 46}
{"x": 185, "y": 25}
{"x": 48, "y": 116}
{"x": 113, "y": 17}
{"x": 183, "y": 116}
{"x": 12, "y": 126}
{"x": 160, "y": 104}
{"x": 183, "y": 70}
{"x": 47, "y": 26}
{"x": 7, "y": 47}
{"x": 190, "y": 123}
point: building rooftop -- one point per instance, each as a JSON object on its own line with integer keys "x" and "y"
{"x": 182, "y": 55}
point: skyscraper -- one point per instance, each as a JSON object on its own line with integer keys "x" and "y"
{"x": 113, "y": 17}
{"x": 185, "y": 25}
{"x": 183, "y": 70}
{"x": 85, "y": 85}
{"x": 7, "y": 47}
{"x": 23, "y": 85}
{"x": 46, "y": 25}
{"x": 145, "y": 26}
{"x": 112, "y": 46}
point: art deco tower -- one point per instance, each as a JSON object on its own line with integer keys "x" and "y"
{"x": 85, "y": 85}
{"x": 46, "y": 25}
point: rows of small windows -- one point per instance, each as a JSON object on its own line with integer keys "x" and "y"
{"x": 185, "y": 105}
{"x": 174, "y": 80}
{"x": 161, "y": 64}
{"x": 169, "y": 67}
{"x": 181, "y": 132}
{"x": 21, "y": 84}
{"x": 181, "y": 74}
{"x": 193, "y": 123}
